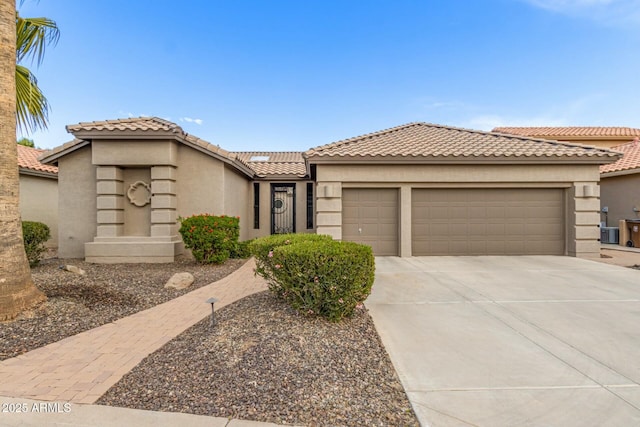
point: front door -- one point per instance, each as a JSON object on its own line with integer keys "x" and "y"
{"x": 283, "y": 208}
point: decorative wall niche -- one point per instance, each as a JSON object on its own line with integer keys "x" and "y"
{"x": 139, "y": 193}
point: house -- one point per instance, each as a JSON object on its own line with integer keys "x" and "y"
{"x": 416, "y": 189}
{"x": 597, "y": 136}
{"x": 38, "y": 191}
{"x": 620, "y": 186}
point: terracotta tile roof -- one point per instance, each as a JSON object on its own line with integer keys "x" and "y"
{"x": 28, "y": 159}
{"x": 274, "y": 163}
{"x": 130, "y": 124}
{"x": 436, "y": 142}
{"x": 85, "y": 131}
{"x": 630, "y": 159}
{"x": 570, "y": 131}
{"x": 60, "y": 148}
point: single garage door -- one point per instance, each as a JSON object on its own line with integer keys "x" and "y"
{"x": 488, "y": 221}
{"x": 370, "y": 216}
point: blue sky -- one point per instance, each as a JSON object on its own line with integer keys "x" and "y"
{"x": 283, "y": 75}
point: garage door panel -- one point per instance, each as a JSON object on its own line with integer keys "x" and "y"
{"x": 478, "y": 230}
{"x": 370, "y": 216}
{"x": 487, "y": 221}
{"x": 438, "y": 212}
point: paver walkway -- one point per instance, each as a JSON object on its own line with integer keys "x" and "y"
{"x": 83, "y": 367}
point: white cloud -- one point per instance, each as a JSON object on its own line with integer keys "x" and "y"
{"x": 608, "y": 12}
{"x": 490, "y": 121}
{"x": 576, "y": 112}
{"x": 190, "y": 120}
{"x": 129, "y": 114}
{"x": 567, "y": 5}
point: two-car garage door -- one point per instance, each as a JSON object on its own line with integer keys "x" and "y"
{"x": 487, "y": 221}
{"x": 471, "y": 221}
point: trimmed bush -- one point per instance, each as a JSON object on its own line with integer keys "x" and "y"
{"x": 241, "y": 250}
{"x": 35, "y": 235}
{"x": 211, "y": 238}
{"x": 262, "y": 249}
{"x": 325, "y": 278}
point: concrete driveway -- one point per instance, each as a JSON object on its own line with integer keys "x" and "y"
{"x": 512, "y": 341}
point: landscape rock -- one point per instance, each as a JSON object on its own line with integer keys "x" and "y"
{"x": 180, "y": 281}
{"x": 73, "y": 269}
{"x": 107, "y": 292}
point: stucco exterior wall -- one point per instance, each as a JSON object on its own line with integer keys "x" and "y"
{"x": 77, "y": 203}
{"x": 134, "y": 153}
{"x": 137, "y": 219}
{"x": 39, "y": 202}
{"x": 237, "y": 192}
{"x": 265, "y": 208}
{"x": 199, "y": 183}
{"x": 621, "y": 194}
{"x": 434, "y": 174}
{"x": 580, "y": 184}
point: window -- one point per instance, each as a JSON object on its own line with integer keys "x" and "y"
{"x": 256, "y": 205}
{"x": 309, "y": 205}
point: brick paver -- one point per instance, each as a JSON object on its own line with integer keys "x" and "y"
{"x": 83, "y": 367}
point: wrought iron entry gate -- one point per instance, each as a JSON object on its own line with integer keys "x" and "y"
{"x": 283, "y": 208}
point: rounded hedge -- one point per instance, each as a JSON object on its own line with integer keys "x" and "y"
{"x": 262, "y": 249}
{"x": 323, "y": 277}
{"x": 212, "y": 239}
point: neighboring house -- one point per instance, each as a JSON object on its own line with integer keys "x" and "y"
{"x": 620, "y": 185}
{"x": 597, "y": 136}
{"x": 416, "y": 189}
{"x": 38, "y": 191}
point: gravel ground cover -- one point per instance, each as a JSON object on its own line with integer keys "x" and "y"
{"x": 106, "y": 293}
{"x": 263, "y": 361}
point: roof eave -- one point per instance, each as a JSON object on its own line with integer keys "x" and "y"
{"x": 52, "y": 157}
{"x": 600, "y": 160}
{"x": 223, "y": 158}
{"x": 123, "y": 134}
{"x": 280, "y": 177}
{"x": 619, "y": 173}
{"x": 40, "y": 174}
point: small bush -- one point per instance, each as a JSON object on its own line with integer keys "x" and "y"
{"x": 241, "y": 250}
{"x": 262, "y": 250}
{"x": 326, "y": 278}
{"x": 210, "y": 238}
{"x": 35, "y": 234}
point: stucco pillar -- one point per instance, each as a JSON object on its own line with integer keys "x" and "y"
{"x": 164, "y": 202}
{"x": 405, "y": 221}
{"x": 584, "y": 214}
{"x": 110, "y": 201}
{"x": 329, "y": 209}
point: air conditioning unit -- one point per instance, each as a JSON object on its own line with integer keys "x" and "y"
{"x": 609, "y": 235}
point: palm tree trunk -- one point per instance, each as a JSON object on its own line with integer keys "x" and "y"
{"x": 17, "y": 291}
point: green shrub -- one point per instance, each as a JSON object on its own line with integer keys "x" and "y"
{"x": 262, "y": 249}
{"x": 241, "y": 250}
{"x": 210, "y": 238}
{"x": 326, "y": 278}
{"x": 35, "y": 234}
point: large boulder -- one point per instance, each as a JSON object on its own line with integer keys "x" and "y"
{"x": 180, "y": 281}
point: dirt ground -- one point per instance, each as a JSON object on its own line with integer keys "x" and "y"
{"x": 618, "y": 255}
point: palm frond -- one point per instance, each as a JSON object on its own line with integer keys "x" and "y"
{"x": 32, "y": 108}
{"x": 33, "y": 35}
